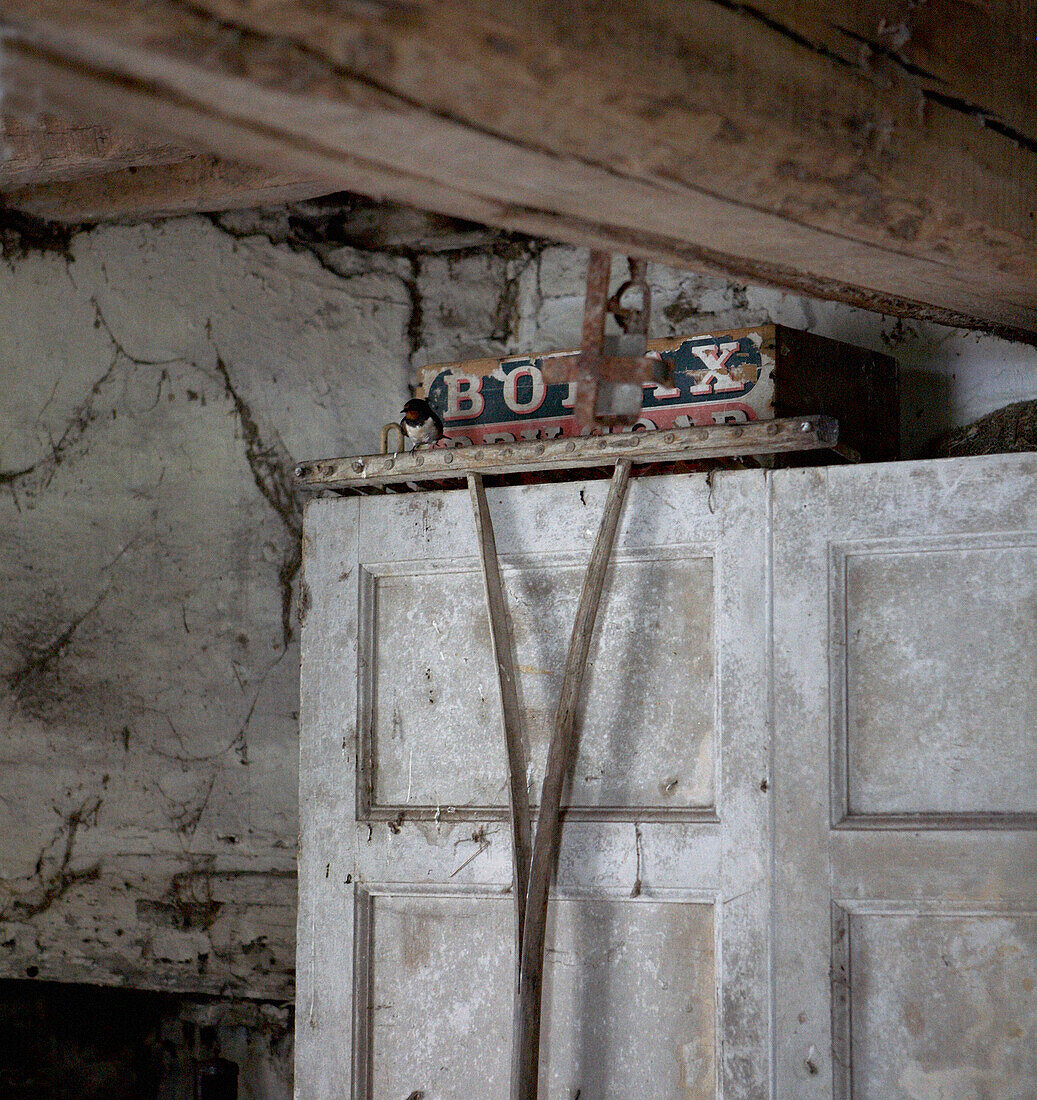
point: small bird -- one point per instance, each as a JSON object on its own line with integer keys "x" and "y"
{"x": 421, "y": 423}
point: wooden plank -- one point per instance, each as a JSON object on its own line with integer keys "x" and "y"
{"x": 708, "y": 134}
{"x": 73, "y": 172}
{"x": 525, "y": 1054}
{"x": 51, "y": 150}
{"x": 945, "y": 48}
{"x": 800, "y": 433}
{"x": 193, "y": 185}
{"x": 511, "y": 714}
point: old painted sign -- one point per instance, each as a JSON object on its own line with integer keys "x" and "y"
{"x": 723, "y": 378}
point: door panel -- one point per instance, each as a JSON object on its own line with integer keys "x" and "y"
{"x": 905, "y": 741}
{"x": 439, "y": 1016}
{"x": 800, "y": 851}
{"x": 939, "y": 662}
{"x": 942, "y": 1004}
{"x": 658, "y": 937}
{"x": 430, "y": 724}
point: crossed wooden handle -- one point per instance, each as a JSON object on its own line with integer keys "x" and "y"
{"x": 534, "y": 861}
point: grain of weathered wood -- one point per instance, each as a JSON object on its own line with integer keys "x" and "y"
{"x": 195, "y": 184}
{"x": 525, "y": 1053}
{"x": 511, "y": 714}
{"x": 51, "y": 150}
{"x": 943, "y": 47}
{"x": 74, "y": 172}
{"x": 798, "y": 433}
{"x": 706, "y": 134}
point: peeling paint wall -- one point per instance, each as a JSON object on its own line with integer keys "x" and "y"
{"x": 159, "y": 382}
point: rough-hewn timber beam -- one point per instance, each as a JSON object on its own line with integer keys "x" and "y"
{"x": 52, "y": 150}
{"x": 840, "y": 155}
{"x": 77, "y": 172}
{"x": 197, "y": 184}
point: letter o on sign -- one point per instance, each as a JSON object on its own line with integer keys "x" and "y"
{"x": 537, "y": 394}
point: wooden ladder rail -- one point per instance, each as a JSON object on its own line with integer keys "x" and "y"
{"x": 532, "y": 890}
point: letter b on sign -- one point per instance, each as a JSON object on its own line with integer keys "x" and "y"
{"x": 464, "y": 399}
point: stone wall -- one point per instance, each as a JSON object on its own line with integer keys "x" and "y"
{"x": 158, "y": 383}
{"x": 97, "y": 1043}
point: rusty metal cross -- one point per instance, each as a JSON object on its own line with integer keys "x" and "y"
{"x": 610, "y": 370}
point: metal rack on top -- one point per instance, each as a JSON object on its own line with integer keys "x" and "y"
{"x": 449, "y": 467}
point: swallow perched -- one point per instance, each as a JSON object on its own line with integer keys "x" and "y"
{"x": 421, "y": 423}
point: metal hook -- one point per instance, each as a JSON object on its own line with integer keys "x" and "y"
{"x": 387, "y": 429}
{"x": 633, "y": 319}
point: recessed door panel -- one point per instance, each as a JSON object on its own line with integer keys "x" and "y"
{"x": 942, "y": 1004}
{"x": 430, "y": 713}
{"x": 940, "y": 659}
{"x": 905, "y": 749}
{"x": 439, "y": 1014}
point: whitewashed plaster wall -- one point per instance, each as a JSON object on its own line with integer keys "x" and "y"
{"x": 157, "y": 383}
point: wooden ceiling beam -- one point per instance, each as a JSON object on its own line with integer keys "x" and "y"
{"x": 80, "y": 172}
{"x": 856, "y": 162}
{"x": 199, "y": 184}
{"x": 50, "y": 150}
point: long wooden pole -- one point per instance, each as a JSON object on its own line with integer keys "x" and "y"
{"x": 525, "y": 1054}
{"x": 500, "y": 635}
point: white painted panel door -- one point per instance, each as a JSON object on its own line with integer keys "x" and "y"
{"x": 905, "y": 780}
{"x": 900, "y": 956}
{"x": 657, "y": 959}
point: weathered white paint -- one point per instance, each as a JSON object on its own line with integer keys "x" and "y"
{"x": 905, "y": 890}
{"x": 943, "y": 1005}
{"x": 836, "y": 900}
{"x": 141, "y": 562}
{"x": 666, "y": 860}
{"x": 650, "y": 732}
{"x": 970, "y": 709}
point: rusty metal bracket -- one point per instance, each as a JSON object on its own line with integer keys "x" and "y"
{"x": 611, "y": 369}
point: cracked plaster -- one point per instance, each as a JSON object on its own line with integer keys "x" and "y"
{"x": 160, "y": 381}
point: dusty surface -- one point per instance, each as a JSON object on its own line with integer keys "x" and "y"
{"x": 159, "y": 381}
{"x": 660, "y": 946}
{"x": 1012, "y": 428}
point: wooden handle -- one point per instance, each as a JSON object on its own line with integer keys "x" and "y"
{"x": 526, "y": 1036}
